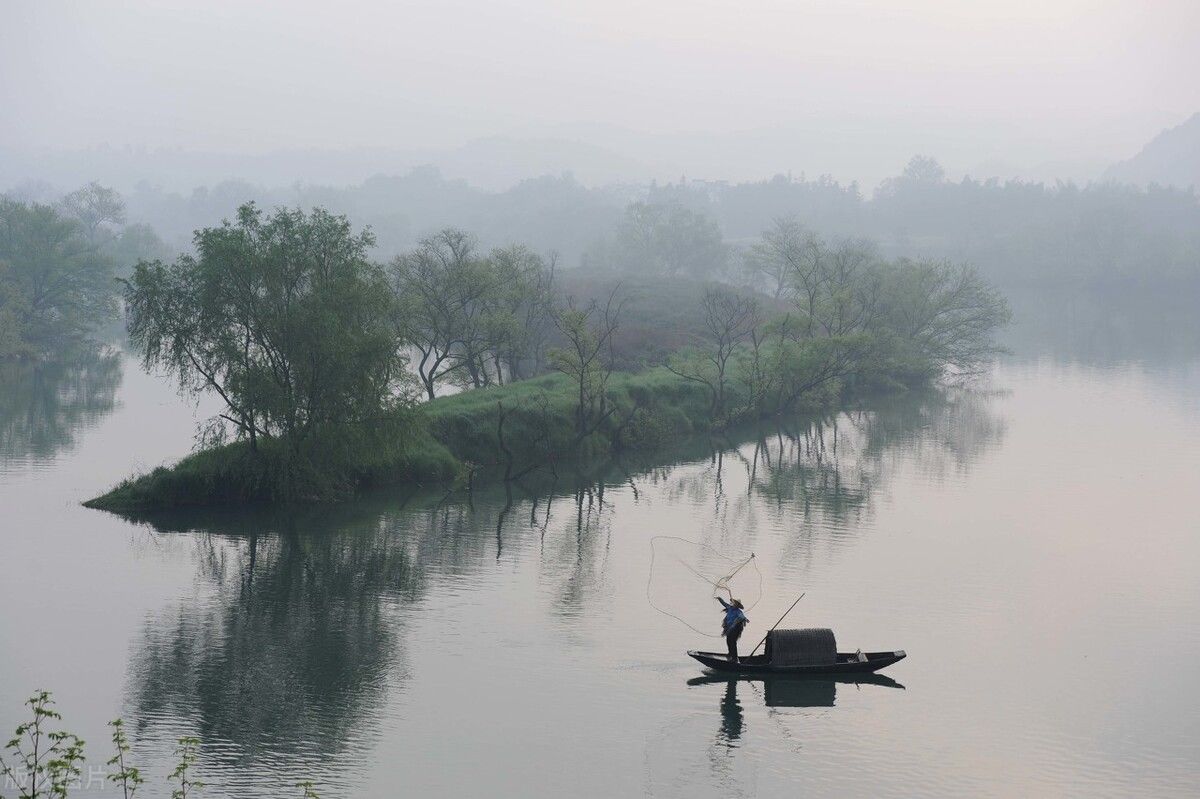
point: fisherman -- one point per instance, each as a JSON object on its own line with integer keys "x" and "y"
{"x": 731, "y": 626}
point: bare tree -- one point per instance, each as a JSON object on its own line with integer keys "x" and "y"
{"x": 729, "y": 320}
{"x": 849, "y": 300}
{"x": 587, "y": 358}
{"x": 787, "y": 259}
{"x": 94, "y": 205}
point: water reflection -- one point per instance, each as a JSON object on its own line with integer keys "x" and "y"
{"x": 732, "y": 718}
{"x": 290, "y": 649}
{"x": 824, "y": 473}
{"x": 783, "y": 692}
{"x": 299, "y": 628}
{"x": 45, "y": 405}
{"x": 1154, "y": 326}
{"x": 831, "y": 467}
{"x": 738, "y": 725}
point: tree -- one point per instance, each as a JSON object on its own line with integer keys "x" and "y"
{"x": 55, "y": 287}
{"x": 132, "y": 244}
{"x": 283, "y": 317}
{"x": 944, "y": 314}
{"x": 775, "y": 258}
{"x": 472, "y": 318}
{"x": 13, "y": 312}
{"x": 587, "y": 358}
{"x": 850, "y": 288}
{"x": 665, "y": 239}
{"x": 94, "y": 206}
{"x": 441, "y": 289}
{"x": 792, "y": 259}
{"x": 924, "y": 169}
{"x": 729, "y": 320}
{"x": 521, "y": 311}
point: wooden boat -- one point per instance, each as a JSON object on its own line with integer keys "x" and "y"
{"x": 811, "y": 651}
{"x": 846, "y": 663}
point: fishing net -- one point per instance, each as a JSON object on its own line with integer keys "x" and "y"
{"x": 686, "y": 575}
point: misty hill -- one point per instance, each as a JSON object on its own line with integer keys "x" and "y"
{"x": 1172, "y": 158}
{"x": 497, "y": 163}
{"x": 1011, "y": 230}
{"x": 494, "y": 163}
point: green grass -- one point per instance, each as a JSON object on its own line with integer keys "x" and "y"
{"x": 446, "y": 437}
{"x": 652, "y": 407}
{"x": 234, "y": 475}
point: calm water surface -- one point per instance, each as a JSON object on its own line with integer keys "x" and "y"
{"x": 1032, "y": 543}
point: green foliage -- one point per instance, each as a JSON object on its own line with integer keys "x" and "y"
{"x": 126, "y": 774}
{"x": 55, "y": 285}
{"x": 472, "y": 317}
{"x": 48, "y": 763}
{"x": 134, "y": 243}
{"x": 647, "y": 410}
{"x": 662, "y": 239}
{"x": 45, "y": 761}
{"x": 391, "y": 451}
{"x": 855, "y": 319}
{"x": 186, "y": 752}
{"x": 941, "y": 316}
{"x": 586, "y": 358}
{"x": 286, "y": 320}
{"x": 521, "y": 309}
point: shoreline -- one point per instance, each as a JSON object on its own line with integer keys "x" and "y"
{"x": 500, "y": 433}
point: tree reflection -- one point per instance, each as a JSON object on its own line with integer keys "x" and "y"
{"x": 830, "y": 467}
{"x": 1155, "y": 325}
{"x": 44, "y": 405}
{"x": 300, "y": 628}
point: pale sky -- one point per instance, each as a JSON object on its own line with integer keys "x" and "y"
{"x": 735, "y": 87}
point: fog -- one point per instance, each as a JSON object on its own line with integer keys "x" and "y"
{"x": 184, "y": 93}
{"x": 354, "y": 356}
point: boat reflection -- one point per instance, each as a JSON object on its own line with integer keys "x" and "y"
{"x": 796, "y": 691}
{"x": 778, "y": 692}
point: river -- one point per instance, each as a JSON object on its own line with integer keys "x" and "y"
{"x": 1032, "y": 541}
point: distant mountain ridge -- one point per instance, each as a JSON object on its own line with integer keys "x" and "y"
{"x": 1172, "y": 158}
{"x": 494, "y": 163}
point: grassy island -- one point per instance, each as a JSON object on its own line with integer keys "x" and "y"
{"x": 333, "y": 369}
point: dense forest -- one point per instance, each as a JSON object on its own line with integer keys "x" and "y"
{"x": 1013, "y": 231}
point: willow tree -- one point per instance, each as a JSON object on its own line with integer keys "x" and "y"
{"x": 283, "y": 317}
{"x": 944, "y": 315}
{"x": 56, "y": 288}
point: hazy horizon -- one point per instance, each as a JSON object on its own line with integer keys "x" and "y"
{"x": 1033, "y": 90}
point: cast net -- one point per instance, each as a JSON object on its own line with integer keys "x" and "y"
{"x": 686, "y": 575}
